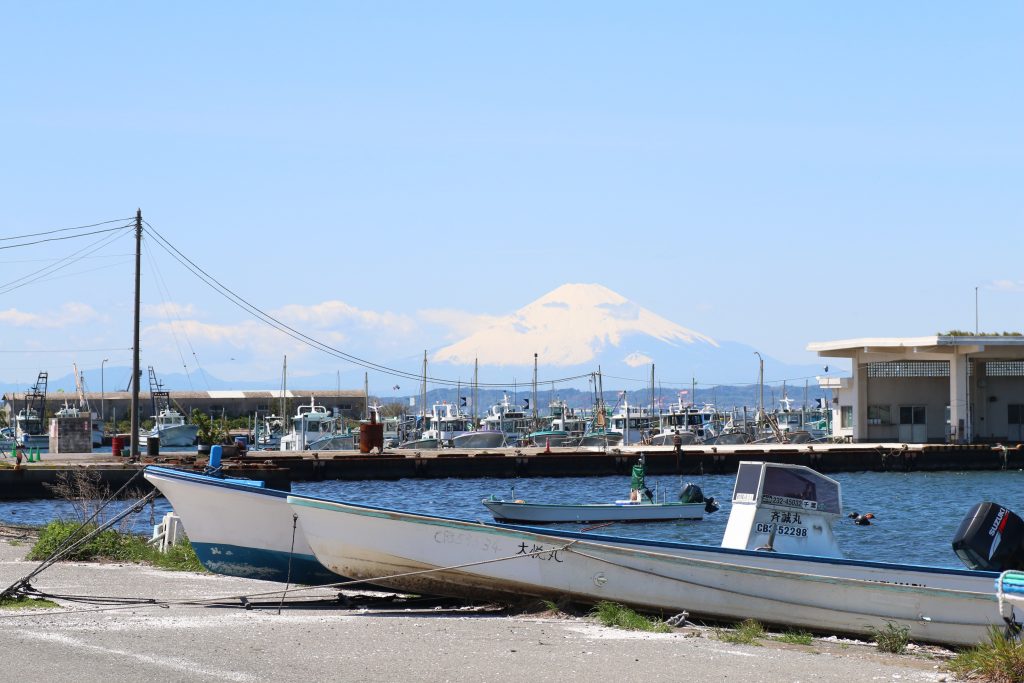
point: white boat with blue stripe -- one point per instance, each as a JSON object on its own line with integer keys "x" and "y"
{"x": 238, "y": 527}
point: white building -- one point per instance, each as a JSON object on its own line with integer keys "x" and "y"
{"x": 936, "y": 389}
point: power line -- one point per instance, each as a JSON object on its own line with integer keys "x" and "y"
{"x": 52, "y": 232}
{"x": 58, "y": 239}
{"x": 62, "y": 263}
{"x": 268, "y": 319}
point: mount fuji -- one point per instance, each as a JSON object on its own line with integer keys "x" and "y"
{"x": 577, "y": 327}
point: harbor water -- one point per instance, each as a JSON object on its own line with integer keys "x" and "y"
{"x": 916, "y": 513}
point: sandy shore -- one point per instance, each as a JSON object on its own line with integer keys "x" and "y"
{"x": 373, "y": 638}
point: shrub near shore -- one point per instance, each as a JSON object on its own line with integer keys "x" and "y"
{"x": 112, "y": 546}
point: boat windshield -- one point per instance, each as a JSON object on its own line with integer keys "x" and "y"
{"x": 798, "y": 487}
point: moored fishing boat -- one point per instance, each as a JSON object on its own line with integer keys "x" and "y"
{"x": 779, "y": 564}
{"x": 239, "y": 528}
{"x": 641, "y": 506}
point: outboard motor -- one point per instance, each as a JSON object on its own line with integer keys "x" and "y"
{"x": 990, "y": 538}
{"x": 691, "y": 493}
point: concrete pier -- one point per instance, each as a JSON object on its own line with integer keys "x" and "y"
{"x": 279, "y": 469}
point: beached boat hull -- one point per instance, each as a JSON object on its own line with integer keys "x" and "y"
{"x": 238, "y": 529}
{"x": 538, "y": 513}
{"x": 475, "y": 560}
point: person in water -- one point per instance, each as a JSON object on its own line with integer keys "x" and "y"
{"x": 861, "y": 520}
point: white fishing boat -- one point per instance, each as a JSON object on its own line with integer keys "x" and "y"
{"x": 315, "y": 428}
{"x": 239, "y": 528}
{"x": 446, "y": 423}
{"x": 779, "y": 564}
{"x": 703, "y": 422}
{"x": 170, "y": 427}
{"x": 641, "y": 506}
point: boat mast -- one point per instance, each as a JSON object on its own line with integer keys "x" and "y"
{"x": 366, "y": 394}
{"x": 423, "y": 390}
{"x": 476, "y": 369}
{"x": 135, "y": 337}
{"x": 652, "y": 392}
{"x": 535, "y": 391}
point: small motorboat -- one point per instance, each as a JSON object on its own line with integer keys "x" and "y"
{"x": 640, "y": 507}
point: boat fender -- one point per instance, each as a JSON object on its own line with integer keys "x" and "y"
{"x": 519, "y": 500}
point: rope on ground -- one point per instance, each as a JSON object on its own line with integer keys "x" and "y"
{"x": 71, "y": 543}
{"x": 245, "y": 599}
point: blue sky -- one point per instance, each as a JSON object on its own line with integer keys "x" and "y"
{"x": 770, "y": 173}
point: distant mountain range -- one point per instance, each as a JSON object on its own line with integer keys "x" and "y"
{"x": 573, "y": 329}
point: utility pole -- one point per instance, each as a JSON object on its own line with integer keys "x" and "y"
{"x": 975, "y": 311}
{"x": 135, "y": 337}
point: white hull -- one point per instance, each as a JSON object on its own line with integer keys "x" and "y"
{"x": 181, "y": 435}
{"x": 820, "y": 594}
{"x": 239, "y": 530}
{"x": 535, "y": 513}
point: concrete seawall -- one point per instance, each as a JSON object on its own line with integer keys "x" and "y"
{"x": 279, "y": 469}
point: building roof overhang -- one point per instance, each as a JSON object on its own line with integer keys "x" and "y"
{"x": 908, "y": 346}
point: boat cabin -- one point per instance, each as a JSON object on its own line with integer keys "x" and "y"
{"x": 783, "y": 508}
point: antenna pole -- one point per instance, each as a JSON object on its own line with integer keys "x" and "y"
{"x": 135, "y": 337}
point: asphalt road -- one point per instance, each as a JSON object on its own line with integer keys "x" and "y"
{"x": 373, "y": 638}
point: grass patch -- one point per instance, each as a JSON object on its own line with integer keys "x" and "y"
{"x": 892, "y": 638}
{"x": 22, "y": 602}
{"x": 999, "y": 661}
{"x": 796, "y": 638}
{"x": 112, "y": 546}
{"x": 612, "y": 614}
{"x": 744, "y": 633}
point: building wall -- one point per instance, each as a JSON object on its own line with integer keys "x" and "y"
{"x": 891, "y": 393}
{"x": 991, "y": 400}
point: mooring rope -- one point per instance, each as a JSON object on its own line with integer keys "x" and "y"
{"x": 291, "y": 554}
{"x": 70, "y": 544}
{"x": 247, "y": 598}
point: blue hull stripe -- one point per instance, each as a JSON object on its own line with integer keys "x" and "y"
{"x": 267, "y": 565}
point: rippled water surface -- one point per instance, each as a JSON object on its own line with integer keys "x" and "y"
{"x": 916, "y": 513}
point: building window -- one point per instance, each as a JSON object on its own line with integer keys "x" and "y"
{"x": 1015, "y": 414}
{"x": 1005, "y": 368}
{"x": 846, "y": 417}
{"x": 909, "y": 368}
{"x": 912, "y": 415}
{"x": 879, "y": 415}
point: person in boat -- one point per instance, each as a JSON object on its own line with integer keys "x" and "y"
{"x": 638, "y": 490}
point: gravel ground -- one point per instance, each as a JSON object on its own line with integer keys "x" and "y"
{"x": 373, "y": 638}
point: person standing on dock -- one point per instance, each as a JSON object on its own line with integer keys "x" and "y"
{"x": 677, "y": 446}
